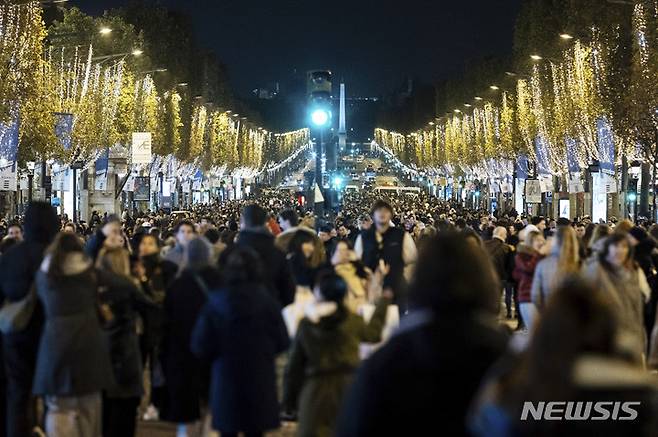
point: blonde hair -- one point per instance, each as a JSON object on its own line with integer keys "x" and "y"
{"x": 600, "y": 231}
{"x": 567, "y": 249}
{"x": 115, "y": 260}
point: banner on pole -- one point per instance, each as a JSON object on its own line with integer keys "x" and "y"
{"x": 141, "y": 148}
{"x": 142, "y": 188}
{"x": 532, "y": 191}
{"x": 317, "y": 194}
{"x": 63, "y": 128}
{"x": 8, "y": 178}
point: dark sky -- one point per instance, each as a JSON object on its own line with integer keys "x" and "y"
{"x": 372, "y": 44}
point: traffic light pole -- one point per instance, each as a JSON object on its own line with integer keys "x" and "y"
{"x": 318, "y": 207}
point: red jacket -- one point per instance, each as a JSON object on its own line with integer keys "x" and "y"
{"x": 524, "y": 270}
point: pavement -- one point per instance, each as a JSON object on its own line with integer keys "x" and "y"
{"x": 162, "y": 429}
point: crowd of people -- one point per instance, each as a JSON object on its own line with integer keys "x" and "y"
{"x": 393, "y": 317}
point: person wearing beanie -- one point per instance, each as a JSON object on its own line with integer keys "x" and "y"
{"x": 187, "y": 377}
{"x": 325, "y": 354}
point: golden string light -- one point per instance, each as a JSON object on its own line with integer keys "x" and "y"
{"x": 558, "y": 105}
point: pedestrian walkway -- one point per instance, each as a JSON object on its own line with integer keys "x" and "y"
{"x": 162, "y": 429}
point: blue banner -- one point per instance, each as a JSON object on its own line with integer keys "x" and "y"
{"x": 9, "y": 141}
{"x": 606, "y": 144}
{"x": 522, "y": 167}
{"x": 63, "y": 128}
{"x": 572, "y": 160}
{"x": 102, "y": 162}
{"x": 541, "y": 150}
{"x": 198, "y": 175}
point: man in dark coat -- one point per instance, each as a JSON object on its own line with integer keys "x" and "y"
{"x": 425, "y": 377}
{"x": 18, "y": 268}
{"x": 254, "y": 235}
{"x": 502, "y": 258}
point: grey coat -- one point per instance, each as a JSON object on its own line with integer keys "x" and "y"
{"x": 73, "y": 354}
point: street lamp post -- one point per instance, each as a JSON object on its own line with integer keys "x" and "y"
{"x": 77, "y": 165}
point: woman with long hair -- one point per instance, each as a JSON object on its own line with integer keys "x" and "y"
{"x": 305, "y": 258}
{"x": 121, "y": 302}
{"x": 563, "y": 260}
{"x": 617, "y": 274}
{"x": 186, "y": 376}
{"x": 240, "y": 331}
{"x": 73, "y": 365}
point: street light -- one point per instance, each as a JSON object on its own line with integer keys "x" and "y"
{"x": 494, "y": 87}
{"x": 105, "y": 30}
{"x": 536, "y": 57}
{"x": 137, "y": 52}
{"x": 565, "y": 36}
{"x": 478, "y": 98}
{"x": 320, "y": 117}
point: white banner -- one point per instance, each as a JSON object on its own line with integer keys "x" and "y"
{"x": 100, "y": 183}
{"x": 62, "y": 180}
{"x": 575, "y": 184}
{"x": 519, "y": 188}
{"x": 532, "y": 191}
{"x": 8, "y": 178}
{"x": 546, "y": 183}
{"x": 141, "y": 148}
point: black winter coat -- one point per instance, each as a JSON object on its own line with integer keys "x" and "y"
{"x": 125, "y": 301}
{"x": 502, "y": 258}
{"x": 160, "y": 274}
{"x": 424, "y": 375}
{"x": 241, "y": 330}
{"x": 187, "y": 377}
{"x": 73, "y": 357}
{"x": 277, "y": 273}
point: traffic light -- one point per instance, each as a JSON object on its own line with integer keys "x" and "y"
{"x": 318, "y": 87}
{"x": 631, "y": 194}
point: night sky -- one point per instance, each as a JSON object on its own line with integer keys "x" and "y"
{"x": 372, "y": 44}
